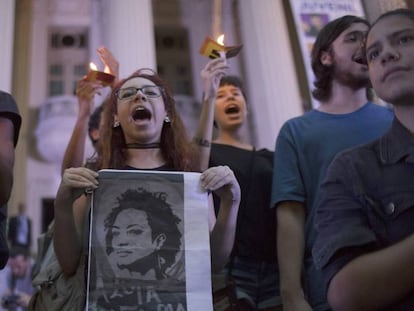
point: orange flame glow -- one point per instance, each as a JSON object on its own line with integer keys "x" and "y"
{"x": 220, "y": 39}
{"x": 92, "y": 66}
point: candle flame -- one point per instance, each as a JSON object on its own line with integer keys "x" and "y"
{"x": 107, "y": 70}
{"x": 92, "y": 66}
{"x": 220, "y": 39}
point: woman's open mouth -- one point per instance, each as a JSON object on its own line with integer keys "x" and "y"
{"x": 141, "y": 113}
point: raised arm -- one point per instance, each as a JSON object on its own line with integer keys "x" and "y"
{"x": 85, "y": 91}
{"x": 70, "y": 210}
{"x": 222, "y": 181}
{"x": 75, "y": 150}
{"x": 210, "y": 77}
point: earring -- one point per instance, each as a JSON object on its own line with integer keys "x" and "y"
{"x": 116, "y": 124}
{"x": 167, "y": 119}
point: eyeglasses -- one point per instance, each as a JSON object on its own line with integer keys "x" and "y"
{"x": 151, "y": 91}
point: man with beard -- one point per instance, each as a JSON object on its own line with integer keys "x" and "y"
{"x": 306, "y": 145}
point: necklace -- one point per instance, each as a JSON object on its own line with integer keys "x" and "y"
{"x": 143, "y": 146}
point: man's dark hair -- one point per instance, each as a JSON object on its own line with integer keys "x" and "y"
{"x": 94, "y": 121}
{"x": 160, "y": 217}
{"x": 327, "y": 35}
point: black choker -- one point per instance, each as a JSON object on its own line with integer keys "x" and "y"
{"x": 143, "y": 146}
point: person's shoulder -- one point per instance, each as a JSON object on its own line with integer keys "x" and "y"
{"x": 264, "y": 155}
{"x": 363, "y": 152}
{"x": 265, "y": 152}
{"x": 221, "y": 148}
{"x": 380, "y": 109}
{"x": 305, "y": 118}
{"x": 298, "y": 119}
{"x": 299, "y": 125}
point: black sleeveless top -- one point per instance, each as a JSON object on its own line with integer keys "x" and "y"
{"x": 256, "y": 222}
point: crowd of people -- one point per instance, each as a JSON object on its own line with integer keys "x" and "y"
{"x": 320, "y": 223}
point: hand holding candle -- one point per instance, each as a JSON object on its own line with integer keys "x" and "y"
{"x": 211, "y": 75}
{"x": 95, "y": 75}
{"x": 214, "y": 49}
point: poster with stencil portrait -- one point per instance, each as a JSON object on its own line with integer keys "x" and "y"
{"x": 149, "y": 242}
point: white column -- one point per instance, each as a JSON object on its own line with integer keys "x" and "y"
{"x": 129, "y": 34}
{"x": 7, "y": 40}
{"x": 274, "y": 94}
{"x": 96, "y": 31}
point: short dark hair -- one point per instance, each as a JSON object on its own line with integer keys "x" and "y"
{"x": 327, "y": 35}
{"x": 403, "y": 12}
{"x": 234, "y": 81}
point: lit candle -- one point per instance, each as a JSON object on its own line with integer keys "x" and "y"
{"x": 93, "y": 67}
{"x": 220, "y": 40}
{"x": 104, "y": 76}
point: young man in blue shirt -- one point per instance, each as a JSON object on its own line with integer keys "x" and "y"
{"x": 307, "y": 144}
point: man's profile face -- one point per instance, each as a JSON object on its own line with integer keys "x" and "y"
{"x": 347, "y": 54}
{"x": 132, "y": 236}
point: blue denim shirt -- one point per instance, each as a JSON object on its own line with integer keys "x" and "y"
{"x": 366, "y": 203}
